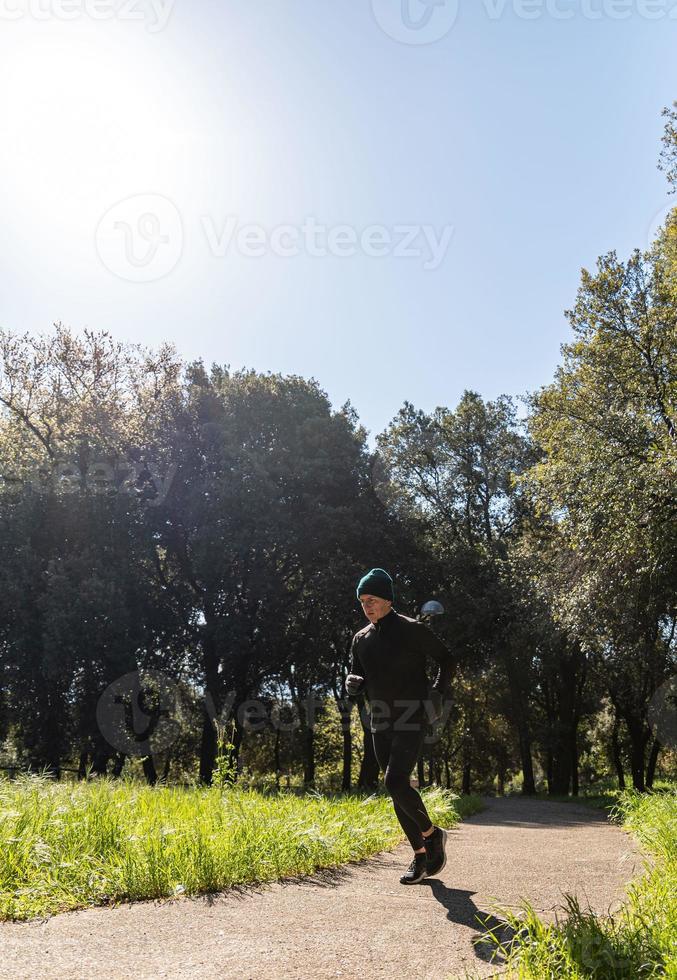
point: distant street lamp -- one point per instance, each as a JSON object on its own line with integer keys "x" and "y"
{"x": 431, "y": 608}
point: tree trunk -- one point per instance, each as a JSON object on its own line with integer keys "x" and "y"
{"x": 82, "y": 765}
{"x": 212, "y": 707}
{"x": 637, "y": 766}
{"x": 651, "y": 765}
{"x": 420, "y": 771}
{"x": 207, "y": 750}
{"x": 521, "y": 722}
{"x": 149, "y": 770}
{"x": 307, "y": 733}
{"x": 639, "y": 736}
{"x": 309, "y": 756}
{"x": 528, "y": 784}
{"x": 561, "y": 771}
{"x": 563, "y": 723}
{"x": 118, "y": 764}
{"x": 616, "y": 753}
{"x": 574, "y": 759}
{"x": 465, "y": 787}
{"x": 100, "y": 759}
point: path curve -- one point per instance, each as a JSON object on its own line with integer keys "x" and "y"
{"x": 358, "y": 922}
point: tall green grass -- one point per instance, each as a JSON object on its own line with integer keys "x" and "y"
{"x": 70, "y": 846}
{"x": 640, "y": 941}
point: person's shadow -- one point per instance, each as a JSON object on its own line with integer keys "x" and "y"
{"x": 461, "y": 909}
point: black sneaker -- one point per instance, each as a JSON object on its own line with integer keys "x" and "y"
{"x": 435, "y": 846}
{"x": 416, "y": 871}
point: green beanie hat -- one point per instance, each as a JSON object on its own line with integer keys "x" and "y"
{"x": 376, "y": 582}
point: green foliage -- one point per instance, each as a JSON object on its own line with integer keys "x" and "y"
{"x": 668, "y": 159}
{"x": 606, "y": 482}
{"x": 225, "y": 767}
{"x": 608, "y": 423}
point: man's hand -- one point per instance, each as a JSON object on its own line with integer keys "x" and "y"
{"x": 354, "y": 685}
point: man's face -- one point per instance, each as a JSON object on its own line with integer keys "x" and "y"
{"x": 374, "y": 607}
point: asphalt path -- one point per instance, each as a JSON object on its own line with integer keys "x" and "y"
{"x": 356, "y": 922}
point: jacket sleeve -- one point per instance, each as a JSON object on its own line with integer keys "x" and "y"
{"x": 432, "y": 646}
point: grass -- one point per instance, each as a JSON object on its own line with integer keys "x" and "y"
{"x": 68, "y": 846}
{"x": 640, "y": 941}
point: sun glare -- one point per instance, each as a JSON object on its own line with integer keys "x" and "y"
{"x": 87, "y": 121}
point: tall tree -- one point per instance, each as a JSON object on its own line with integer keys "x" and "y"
{"x": 267, "y": 487}
{"x": 608, "y": 428}
{"x": 81, "y": 426}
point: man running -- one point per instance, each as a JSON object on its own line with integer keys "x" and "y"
{"x": 388, "y": 662}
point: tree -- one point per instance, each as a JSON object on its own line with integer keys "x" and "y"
{"x": 267, "y": 491}
{"x": 608, "y": 429}
{"x": 80, "y": 434}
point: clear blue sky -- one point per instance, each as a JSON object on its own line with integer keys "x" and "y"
{"x": 535, "y": 139}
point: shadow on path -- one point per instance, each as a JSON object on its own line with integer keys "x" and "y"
{"x": 462, "y": 910}
{"x": 534, "y": 813}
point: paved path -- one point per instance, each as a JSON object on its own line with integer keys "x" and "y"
{"x": 356, "y": 923}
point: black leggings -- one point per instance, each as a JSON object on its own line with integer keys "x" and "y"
{"x": 397, "y": 753}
